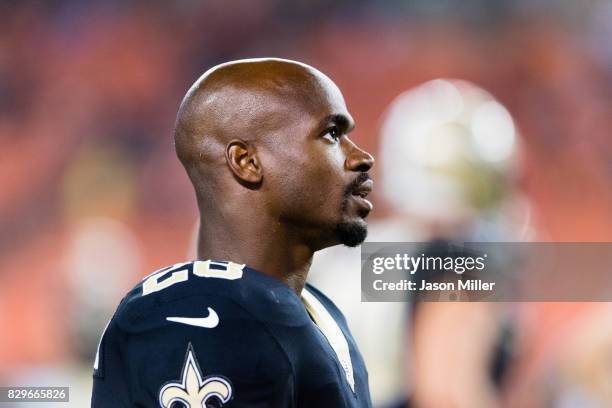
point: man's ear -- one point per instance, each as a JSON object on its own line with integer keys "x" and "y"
{"x": 243, "y": 161}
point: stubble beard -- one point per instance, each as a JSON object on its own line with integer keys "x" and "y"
{"x": 350, "y": 233}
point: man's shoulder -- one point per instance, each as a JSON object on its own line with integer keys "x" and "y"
{"x": 203, "y": 319}
{"x": 233, "y": 292}
{"x": 171, "y": 290}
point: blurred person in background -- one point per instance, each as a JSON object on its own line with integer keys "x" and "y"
{"x": 449, "y": 164}
{"x": 458, "y": 153}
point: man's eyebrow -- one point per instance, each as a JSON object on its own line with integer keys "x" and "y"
{"x": 341, "y": 120}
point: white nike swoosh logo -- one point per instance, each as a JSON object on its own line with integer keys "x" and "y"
{"x": 208, "y": 322}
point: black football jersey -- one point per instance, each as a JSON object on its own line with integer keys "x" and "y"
{"x": 218, "y": 334}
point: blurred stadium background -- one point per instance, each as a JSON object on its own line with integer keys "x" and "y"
{"x": 92, "y": 196}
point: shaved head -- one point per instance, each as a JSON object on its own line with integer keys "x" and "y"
{"x": 247, "y": 100}
{"x": 265, "y": 144}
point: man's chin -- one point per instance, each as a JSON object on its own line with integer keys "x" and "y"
{"x": 351, "y": 233}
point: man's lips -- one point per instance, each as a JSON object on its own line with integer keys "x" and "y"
{"x": 360, "y": 193}
{"x": 363, "y": 189}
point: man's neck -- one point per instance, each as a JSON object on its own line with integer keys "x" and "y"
{"x": 275, "y": 253}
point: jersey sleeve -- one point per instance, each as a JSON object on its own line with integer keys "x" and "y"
{"x": 200, "y": 351}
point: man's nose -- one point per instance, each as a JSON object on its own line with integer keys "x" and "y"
{"x": 358, "y": 159}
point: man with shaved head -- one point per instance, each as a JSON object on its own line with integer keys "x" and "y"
{"x": 264, "y": 143}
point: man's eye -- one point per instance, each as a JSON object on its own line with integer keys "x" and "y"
{"x": 332, "y": 134}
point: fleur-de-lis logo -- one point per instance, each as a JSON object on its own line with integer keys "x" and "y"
{"x": 193, "y": 391}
